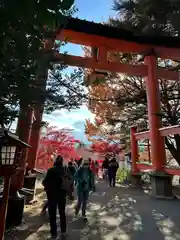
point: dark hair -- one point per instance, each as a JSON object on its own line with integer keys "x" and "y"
{"x": 70, "y": 163}
{"x": 59, "y": 161}
{"x": 113, "y": 159}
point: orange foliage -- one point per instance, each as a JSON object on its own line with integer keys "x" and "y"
{"x": 101, "y": 95}
{"x": 90, "y": 128}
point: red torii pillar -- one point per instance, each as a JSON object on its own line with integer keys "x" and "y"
{"x": 161, "y": 181}
{"x": 158, "y": 154}
{"x": 134, "y": 151}
{"x": 135, "y": 173}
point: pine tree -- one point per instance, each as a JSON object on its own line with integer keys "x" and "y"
{"x": 24, "y": 26}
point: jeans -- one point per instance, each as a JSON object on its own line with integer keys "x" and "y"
{"x": 82, "y": 199}
{"x": 105, "y": 174}
{"x": 53, "y": 204}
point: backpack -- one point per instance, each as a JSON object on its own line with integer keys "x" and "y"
{"x": 66, "y": 180}
{"x": 86, "y": 182}
{"x": 114, "y": 166}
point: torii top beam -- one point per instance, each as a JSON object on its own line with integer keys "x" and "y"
{"x": 95, "y": 34}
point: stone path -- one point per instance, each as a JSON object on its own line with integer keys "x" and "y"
{"x": 114, "y": 214}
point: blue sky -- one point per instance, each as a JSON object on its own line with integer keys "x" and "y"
{"x": 91, "y": 10}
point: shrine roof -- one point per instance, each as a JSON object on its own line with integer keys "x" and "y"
{"x": 92, "y": 28}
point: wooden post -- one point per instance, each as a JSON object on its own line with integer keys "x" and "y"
{"x": 134, "y": 150}
{"x": 4, "y": 205}
{"x": 149, "y": 151}
{"x": 158, "y": 154}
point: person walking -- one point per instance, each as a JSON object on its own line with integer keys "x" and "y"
{"x": 93, "y": 169}
{"x": 79, "y": 162}
{"x": 105, "y": 167}
{"x": 90, "y": 161}
{"x": 56, "y": 187}
{"x": 84, "y": 182}
{"x": 72, "y": 171}
{"x": 45, "y": 205}
{"x": 112, "y": 170}
{"x": 97, "y": 169}
{"x": 74, "y": 163}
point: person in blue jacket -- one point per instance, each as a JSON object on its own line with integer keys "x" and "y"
{"x": 84, "y": 182}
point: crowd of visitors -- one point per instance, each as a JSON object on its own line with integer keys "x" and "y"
{"x": 60, "y": 181}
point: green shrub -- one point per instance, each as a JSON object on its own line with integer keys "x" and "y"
{"x": 123, "y": 174}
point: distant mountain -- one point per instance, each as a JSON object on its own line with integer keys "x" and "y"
{"x": 78, "y": 131}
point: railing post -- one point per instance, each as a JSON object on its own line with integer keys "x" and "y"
{"x": 134, "y": 150}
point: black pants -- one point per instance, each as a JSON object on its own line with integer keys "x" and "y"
{"x": 45, "y": 206}
{"x": 71, "y": 194}
{"x": 53, "y": 204}
{"x": 112, "y": 179}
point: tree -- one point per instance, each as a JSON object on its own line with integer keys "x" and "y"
{"x": 23, "y": 32}
{"x": 104, "y": 147}
{"x": 53, "y": 142}
{"x": 129, "y": 101}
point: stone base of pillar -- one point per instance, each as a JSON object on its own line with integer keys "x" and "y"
{"x": 136, "y": 180}
{"x": 29, "y": 188}
{"x": 162, "y": 186}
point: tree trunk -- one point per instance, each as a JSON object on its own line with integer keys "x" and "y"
{"x": 171, "y": 147}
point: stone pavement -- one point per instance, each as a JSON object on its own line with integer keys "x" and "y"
{"x": 117, "y": 213}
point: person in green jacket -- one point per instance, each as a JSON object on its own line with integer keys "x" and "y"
{"x": 84, "y": 183}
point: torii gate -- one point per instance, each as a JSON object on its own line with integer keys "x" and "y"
{"x": 105, "y": 39}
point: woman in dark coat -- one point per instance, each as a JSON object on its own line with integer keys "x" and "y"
{"x": 112, "y": 170}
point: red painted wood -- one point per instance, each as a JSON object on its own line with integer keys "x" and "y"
{"x": 134, "y": 150}
{"x": 144, "y": 167}
{"x": 142, "y": 135}
{"x": 158, "y": 154}
{"x": 132, "y": 70}
{"x": 116, "y": 44}
{"x": 173, "y": 171}
{"x": 165, "y": 131}
{"x": 148, "y": 168}
{"x": 4, "y": 206}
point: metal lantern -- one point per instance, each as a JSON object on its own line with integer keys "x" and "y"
{"x": 10, "y": 148}
{"x": 8, "y": 155}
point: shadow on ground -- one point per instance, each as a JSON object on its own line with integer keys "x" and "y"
{"x": 117, "y": 213}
